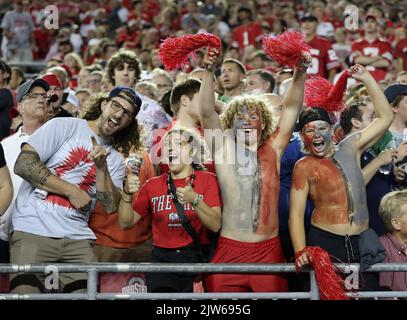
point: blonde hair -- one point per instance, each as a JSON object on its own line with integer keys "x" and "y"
{"x": 391, "y": 206}
{"x": 235, "y": 107}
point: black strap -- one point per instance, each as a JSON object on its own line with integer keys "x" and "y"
{"x": 184, "y": 219}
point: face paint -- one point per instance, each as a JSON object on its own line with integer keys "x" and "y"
{"x": 248, "y": 126}
{"x": 317, "y": 137}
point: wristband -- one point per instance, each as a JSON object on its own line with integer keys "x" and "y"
{"x": 196, "y": 201}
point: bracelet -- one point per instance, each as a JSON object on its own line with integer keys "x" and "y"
{"x": 196, "y": 201}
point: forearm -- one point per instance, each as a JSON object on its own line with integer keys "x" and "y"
{"x": 207, "y": 95}
{"x": 106, "y": 192}
{"x": 382, "y": 107}
{"x": 209, "y": 217}
{"x": 295, "y": 94}
{"x": 382, "y": 63}
{"x": 370, "y": 170}
{"x": 331, "y": 75}
{"x": 6, "y": 192}
{"x": 297, "y": 233}
{"x": 127, "y": 216}
{"x": 30, "y": 168}
{"x": 365, "y": 60}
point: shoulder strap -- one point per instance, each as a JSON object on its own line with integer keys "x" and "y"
{"x": 184, "y": 219}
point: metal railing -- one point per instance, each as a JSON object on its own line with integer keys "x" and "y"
{"x": 93, "y": 271}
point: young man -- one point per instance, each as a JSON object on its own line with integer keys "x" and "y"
{"x": 67, "y": 165}
{"x": 247, "y": 168}
{"x": 233, "y": 74}
{"x": 334, "y": 181}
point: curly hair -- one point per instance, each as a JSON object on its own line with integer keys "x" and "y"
{"x": 235, "y": 107}
{"x": 118, "y": 59}
{"x": 126, "y": 140}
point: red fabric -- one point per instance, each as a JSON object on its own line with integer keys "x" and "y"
{"x": 106, "y": 226}
{"x": 401, "y": 51}
{"x": 154, "y": 200}
{"x": 52, "y": 80}
{"x": 324, "y": 57}
{"x": 174, "y": 52}
{"x": 329, "y": 282}
{"x": 286, "y": 48}
{"x": 232, "y": 251}
{"x": 378, "y": 47}
{"x": 319, "y": 92}
{"x": 247, "y": 35}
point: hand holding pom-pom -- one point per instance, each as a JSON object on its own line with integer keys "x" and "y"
{"x": 210, "y": 58}
{"x": 305, "y": 62}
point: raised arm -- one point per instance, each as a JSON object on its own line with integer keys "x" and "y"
{"x": 207, "y": 111}
{"x": 29, "y": 167}
{"x": 370, "y": 135}
{"x": 292, "y": 106}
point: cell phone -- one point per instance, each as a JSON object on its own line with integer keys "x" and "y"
{"x": 134, "y": 163}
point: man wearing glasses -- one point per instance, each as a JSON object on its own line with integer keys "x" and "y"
{"x": 67, "y": 165}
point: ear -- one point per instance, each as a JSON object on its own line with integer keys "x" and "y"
{"x": 184, "y": 101}
{"x": 20, "y": 107}
{"x": 395, "y": 223}
{"x": 355, "y": 123}
{"x": 103, "y": 105}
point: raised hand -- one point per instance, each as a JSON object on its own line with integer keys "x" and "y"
{"x": 187, "y": 194}
{"x": 210, "y": 58}
{"x": 359, "y": 72}
{"x": 98, "y": 154}
{"x": 131, "y": 182}
{"x": 305, "y": 61}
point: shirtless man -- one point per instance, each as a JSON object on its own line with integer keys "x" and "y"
{"x": 333, "y": 179}
{"x": 250, "y": 184}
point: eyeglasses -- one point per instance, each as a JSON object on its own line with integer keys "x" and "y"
{"x": 117, "y": 107}
{"x": 36, "y": 95}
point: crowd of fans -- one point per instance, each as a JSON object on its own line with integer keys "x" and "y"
{"x": 103, "y": 77}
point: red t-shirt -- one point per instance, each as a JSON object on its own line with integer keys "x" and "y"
{"x": 247, "y": 35}
{"x": 153, "y": 199}
{"x": 324, "y": 57}
{"x": 401, "y": 51}
{"x": 378, "y": 47}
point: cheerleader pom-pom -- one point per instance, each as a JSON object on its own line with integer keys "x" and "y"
{"x": 174, "y": 52}
{"x": 329, "y": 282}
{"x": 286, "y": 49}
{"x": 319, "y": 92}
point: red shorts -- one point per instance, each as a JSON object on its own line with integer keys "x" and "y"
{"x": 232, "y": 251}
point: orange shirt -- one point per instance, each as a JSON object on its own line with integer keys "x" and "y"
{"x": 106, "y": 226}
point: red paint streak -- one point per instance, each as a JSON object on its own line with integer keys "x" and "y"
{"x": 327, "y": 190}
{"x": 270, "y": 187}
{"x": 77, "y": 157}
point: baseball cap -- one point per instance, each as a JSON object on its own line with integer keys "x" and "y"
{"x": 395, "y": 90}
{"x": 135, "y": 99}
{"x": 52, "y": 80}
{"x": 370, "y": 16}
{"x": 309, "y": 17}
{"x": 26, "y": 87}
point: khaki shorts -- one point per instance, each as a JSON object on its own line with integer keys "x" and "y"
{"x": 27, "y": 248}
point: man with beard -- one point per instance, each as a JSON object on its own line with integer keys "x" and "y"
{"x": 67, "y": 165}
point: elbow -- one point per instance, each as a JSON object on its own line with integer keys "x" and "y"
{"x": 18, "y": 168}
{"x": 216, "y": 227}
{"x": 124, "y": 225}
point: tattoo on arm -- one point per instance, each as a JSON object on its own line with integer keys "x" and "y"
{"x": 29, "y": 167}
{"x": 109, "y": 200}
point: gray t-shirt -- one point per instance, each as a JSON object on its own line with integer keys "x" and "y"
{"x": 63, "y": 145}
{"x": 22, "y": 25}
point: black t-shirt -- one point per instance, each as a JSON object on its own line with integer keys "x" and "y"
{"x": 2, "y": 160}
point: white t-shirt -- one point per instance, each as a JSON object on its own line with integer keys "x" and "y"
{"x": 63, "y": 145}
{"x": 11, "y": 146}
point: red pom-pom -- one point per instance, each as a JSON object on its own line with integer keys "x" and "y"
{"x": 286, "y": 48}
{"x": 319, "y": 92}
{"x": 174, "y": 52}
{"x": 329, "y": 282}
